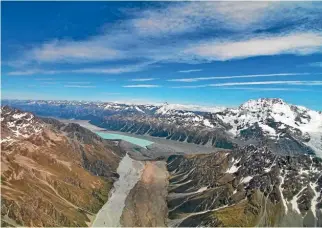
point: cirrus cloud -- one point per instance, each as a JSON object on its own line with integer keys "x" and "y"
{"x": 142, "y": 79}
{"x": 141, "y": 86}
{"x": 236, "y": 76}
{"x": 302, "y": 83}
{"x": 297, "y": 43}
{"x": 162, "y": 34}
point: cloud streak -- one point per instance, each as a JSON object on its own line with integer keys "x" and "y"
{"x": 83, "y": 83}
{"x": 111, "y": 70}
{"x": 44, "y": 79}
{"x": 143, "y": 79}
{"x": 79, "y": 86}
{"x": 72, "y": 51}
{"x": 303, "y": 83}
{"x": 32, "y": 72}
{"x": 189, "y": 71}
{"x": 236, "y": 76}
{"x": 303, "y": 43}
{"x": 265, "y": 89}
{"x": 316, "y": 64}
{"x": 141, "y": 86}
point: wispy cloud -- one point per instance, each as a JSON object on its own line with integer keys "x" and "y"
{"x": 32, "y": 72}
{"x": 186, "y": 17}
{"x": 266, "y": 89}
{"x": 236, "y": 76}
{"x": 141, "y": 86}
{"x": 79, "y": 86}
{"x": 49, "y": 83}
{"x": 111, "y": 70}
{"x": 296, "y": 43}
{"x": 143, "y": 79}
{"x": 152, "y": 34}
{"x": 44, "y": 79}
{"x": 303, "y": 83}
{"x": 116, "y": 70}
{"x": 72, "y": 51}
{"x": 189, "y": 71}
{"x": 190, "y": 87}
{"x": 316, "y": 64}
{"x": 79, "y": 83}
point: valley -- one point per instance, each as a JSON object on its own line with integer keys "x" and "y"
{"x": 130, "y": 172}
{"x": 156, "y": 181}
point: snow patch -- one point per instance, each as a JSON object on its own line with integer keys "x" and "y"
{"x": 246, "y": 179}
{"x": 18, "y": 116}
{"x": 234, "y": 168}
{"x": 271, "y": 131}
{"x": 294, "y": 203}
{"x": 202, "y": 189}
{"x": 138, "y": 109}
{"x": 207, "y": 123}
{"x": 281, "y": 191}
{"x": 314, "y": 201}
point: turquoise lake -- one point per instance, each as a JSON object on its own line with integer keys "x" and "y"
{"x": 136, "y": 141}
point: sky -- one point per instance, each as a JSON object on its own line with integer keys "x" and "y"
{"x": 205, "y": 53}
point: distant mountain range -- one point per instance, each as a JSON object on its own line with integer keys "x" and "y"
{"x": 286, "y": 129}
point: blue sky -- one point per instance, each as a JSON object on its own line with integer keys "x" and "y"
{"x": 206, "y": 53}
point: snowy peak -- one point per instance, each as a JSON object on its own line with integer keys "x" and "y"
{"x": 280, "y": 111}
{"x": 275, "y": 119}
{"x": 263, "y": 103}
{"x": 264, "y": 110}
{"x": 265, "y": 106}
{"x": 18, "y": 124}
{"x": 165, "y": 109}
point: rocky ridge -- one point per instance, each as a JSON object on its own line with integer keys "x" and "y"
{"x": 52, "y": 174}
{"x": 249, "y": 186}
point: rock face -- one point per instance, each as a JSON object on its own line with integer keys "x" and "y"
{"x": 286, "y": 129}
{"x": 52, "y": 174}
{"x": 250, "y": 186}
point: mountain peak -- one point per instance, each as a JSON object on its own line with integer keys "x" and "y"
{"x": 163, "y": 110}
{"x": 262, "y": 102}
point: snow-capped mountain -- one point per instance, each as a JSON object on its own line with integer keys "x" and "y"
{"x": 288, "y": 129}
{"x": 263, "y": 110}
{"x": 276, "y": 119}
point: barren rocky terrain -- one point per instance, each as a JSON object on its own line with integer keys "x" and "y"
{"x": 146, "y": 203}
{"x": 52, "y": 174}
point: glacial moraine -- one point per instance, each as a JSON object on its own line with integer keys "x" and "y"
{"x": 130, "y": 172}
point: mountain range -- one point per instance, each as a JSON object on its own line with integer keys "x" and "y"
{"x": 263, "y": 169}
{"x": 287, "y": 129}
